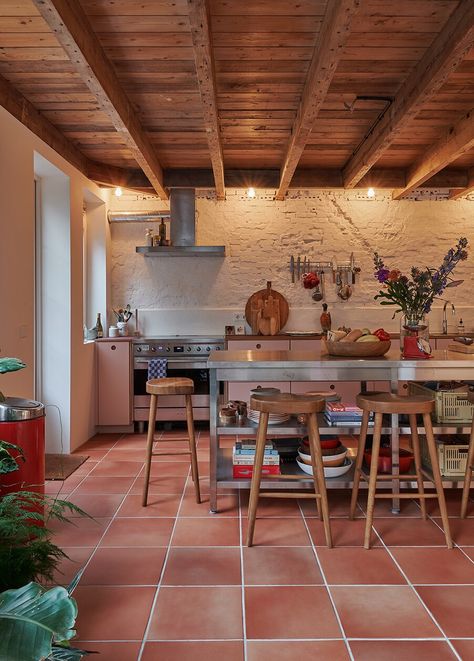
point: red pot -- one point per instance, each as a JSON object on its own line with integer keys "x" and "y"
{"x": 385, "y": 460}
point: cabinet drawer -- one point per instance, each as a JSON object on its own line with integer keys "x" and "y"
{"x": 348, "y": 390}
{"x": 241, "y": 391}
{"x": 305, "y": 345}
{"x": 256, "y": 345}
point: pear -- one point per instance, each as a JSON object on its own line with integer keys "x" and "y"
{"x": 366, "y": 331}
{"x": 368, "y": 338}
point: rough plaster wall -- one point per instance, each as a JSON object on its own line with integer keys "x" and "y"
{"x": 261, "y": 234}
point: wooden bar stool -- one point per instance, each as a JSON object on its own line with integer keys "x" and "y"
{"x": 469, "y": 465}
{"x": 170, "y": 386}
{"x": 380, "y": 403}
{"x": 289, "y": 404}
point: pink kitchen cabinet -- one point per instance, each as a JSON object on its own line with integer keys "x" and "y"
{"x": 114, "y": 376}
{"x": 241, "y": 391}
{"x": 258, "y": 345}
{"x": 348, "y": 390}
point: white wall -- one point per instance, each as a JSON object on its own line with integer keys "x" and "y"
{"x": 17, "y": 272}
{"x": 261, "y": 234}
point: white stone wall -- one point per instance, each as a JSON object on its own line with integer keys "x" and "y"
{"x": 261, "y": 234}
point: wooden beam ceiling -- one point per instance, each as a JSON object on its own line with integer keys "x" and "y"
{"x": 71, "y": 26}
{"x": 455, "y": 142}
{"x": 326, "y": 55}
{"x": 443, "y": 57}
{"x": 456, "y": 194}
{"x": 201, "y": 34}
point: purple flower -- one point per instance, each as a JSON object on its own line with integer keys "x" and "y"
{"x": 382, "y": 275}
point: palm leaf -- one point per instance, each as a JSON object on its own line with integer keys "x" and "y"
{"x": 31, "y": 618}
{"x": 60, "y": 653}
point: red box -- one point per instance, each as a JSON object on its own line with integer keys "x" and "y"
{"x": 247, "y": 471}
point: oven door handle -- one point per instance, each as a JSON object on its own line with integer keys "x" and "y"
{"x": 142, "y": 364}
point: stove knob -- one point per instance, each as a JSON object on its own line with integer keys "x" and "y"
{"x": 153, "y": 349}
{"x": 168, "y": 348}
{"x": 218, "y": 348}
{"x": 139, "y": 349}
{"x": 208, "y": 349}
{"x": 188, "y": 349}
{"x": 198, "y": 349}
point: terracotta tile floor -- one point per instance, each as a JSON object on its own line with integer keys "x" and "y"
{"x": 174, "y": 582}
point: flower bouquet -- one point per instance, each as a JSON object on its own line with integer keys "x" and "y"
{"x": 414, "y": 295}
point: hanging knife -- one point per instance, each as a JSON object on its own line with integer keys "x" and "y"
{"x": 304, "y": 266}
{"x": 292, "y": 268}
{"x": 352, "y": 268}
{"x": 298, "y": 267}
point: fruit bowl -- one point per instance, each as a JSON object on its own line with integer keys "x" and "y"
{"x": 329, "y": 460}
{"x": 358, "y": 349}
{"x": 385, "y": 460}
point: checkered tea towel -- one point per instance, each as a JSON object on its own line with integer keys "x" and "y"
{"x": 157, "y": 368}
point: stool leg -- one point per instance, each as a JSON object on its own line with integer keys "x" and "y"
{"x": 373, "y": 478}
{"x": 437, "y": 478}
{"x": 318, "y": 474}
{"x": 468, "y": 474}
{"x": 192, "y": 447}
{"x": 257, "y": 475}
{"x": 417, "y": 455}
{"x": 358, "y": 464}
{"x": 149, "y": 447}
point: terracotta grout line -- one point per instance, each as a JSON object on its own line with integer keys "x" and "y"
{"x": 162, "y": 574}
{"x": 411, "y": 586}
{"x": 331, "y": 599}
{"x": 242, "y": 575}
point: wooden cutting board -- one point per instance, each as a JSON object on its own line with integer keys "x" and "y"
{"x": 461, "y": 348}
{"x": 267, "y": 311}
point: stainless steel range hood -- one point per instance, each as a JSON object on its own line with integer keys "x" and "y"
{"x": 182, "y": 230}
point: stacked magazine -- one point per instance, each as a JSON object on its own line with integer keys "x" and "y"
{"x": 339, "y": 414}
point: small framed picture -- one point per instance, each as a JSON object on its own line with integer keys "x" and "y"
{"x": 230, "y": 330}
{"x": 240, "y": 329}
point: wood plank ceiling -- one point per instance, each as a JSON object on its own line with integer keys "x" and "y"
{"x": 276, "y": 93}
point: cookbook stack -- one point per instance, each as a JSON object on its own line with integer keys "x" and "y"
{"x": 341, "y": 414}
{"x": 243, "y": 458}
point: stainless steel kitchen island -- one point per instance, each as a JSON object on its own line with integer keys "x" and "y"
{"x": 225, "y": 366}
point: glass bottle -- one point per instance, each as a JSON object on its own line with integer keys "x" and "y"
{"x": 98, "y": 326}
{"x": 162, "y": 233}
{"x": 325, "y": 319}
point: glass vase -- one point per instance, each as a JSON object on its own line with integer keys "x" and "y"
{"x": 413, "y": 325}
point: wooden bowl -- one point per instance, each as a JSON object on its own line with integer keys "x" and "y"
{"x": 358, "y": 349}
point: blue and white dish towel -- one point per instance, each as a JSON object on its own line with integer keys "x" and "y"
{"x": 157, "y": 368}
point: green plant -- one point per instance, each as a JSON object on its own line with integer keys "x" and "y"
{"x": 9, "y": 365}
{"x": 37, "y": 623}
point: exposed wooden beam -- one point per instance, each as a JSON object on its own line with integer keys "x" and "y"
{"x": 73, "y": 30}
{"x": 455, "y": 142}
{"x": 456, "y": 194}
{"x": 18, "y": 106}
{"x": 443, "y": 57}
{"x": 104, "y": 174}
{"x": 201, "y": 32}
{"x": 326, "y": 55}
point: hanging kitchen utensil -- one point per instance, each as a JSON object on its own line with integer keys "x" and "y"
{"x": 352, "y": 263}
{"x": 348, "y": 288}
{"x": 321, "y": 283}
{"x": 298, "y": 268}
{"x": 317, "y": 294}
{"x": 292, "y": 269}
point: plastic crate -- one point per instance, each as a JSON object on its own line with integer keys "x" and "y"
{"x": 452, "y": 456}
{"x": 450, "y": 407}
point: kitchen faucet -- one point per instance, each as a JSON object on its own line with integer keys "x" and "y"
{"x": 445, "y": 321}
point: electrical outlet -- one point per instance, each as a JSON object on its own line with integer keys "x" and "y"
{"x": 239, "y": 318}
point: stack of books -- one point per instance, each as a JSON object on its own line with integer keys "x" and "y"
{"x": 339, "y": 414}
{"x": 243, "y": 457}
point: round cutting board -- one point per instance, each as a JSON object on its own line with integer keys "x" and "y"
{"x": 262, "y": 296}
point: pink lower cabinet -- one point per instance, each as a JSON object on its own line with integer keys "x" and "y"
{"x": 241, "y": 391}
{"x": 348, "y": 390}
{"x": 114, "y": 379}
{"x": 258, "y": 345}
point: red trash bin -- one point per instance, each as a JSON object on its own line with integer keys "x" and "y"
{"x": 22, "y": 423}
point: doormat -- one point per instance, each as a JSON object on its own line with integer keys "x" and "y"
{"x": 61, "y": 466}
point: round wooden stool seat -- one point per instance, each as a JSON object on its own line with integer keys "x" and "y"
{"x": 470, "y": 396}
{"x": 285, "y": 402}
{"x": 385, "y": 402}
{"x": 170, "y": 386}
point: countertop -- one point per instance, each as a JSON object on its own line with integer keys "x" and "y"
{"x": 317, "y": 336}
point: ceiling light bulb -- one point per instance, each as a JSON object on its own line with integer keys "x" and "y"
{"x": 118, "y": 191}
{"x": 251, "y": 192}
{"x": 371, "y": 193}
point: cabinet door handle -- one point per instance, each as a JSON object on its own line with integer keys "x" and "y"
{"x": 113, "y": 347}
{"x": 258, "y": 346}
{"x": 332, "y": 386}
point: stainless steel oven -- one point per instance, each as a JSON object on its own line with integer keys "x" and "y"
{"x": 186, "y": 357}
